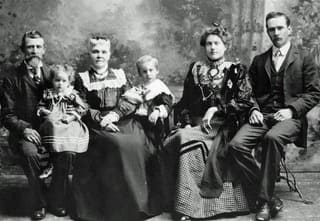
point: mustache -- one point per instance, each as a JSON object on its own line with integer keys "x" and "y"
{"x": 33, "y": 60}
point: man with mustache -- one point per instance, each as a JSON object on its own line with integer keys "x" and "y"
{"x": 20, "y": 94}
{"x": 285, "y": 85}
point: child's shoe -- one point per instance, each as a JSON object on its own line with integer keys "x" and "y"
{"x": 46, "y": 172}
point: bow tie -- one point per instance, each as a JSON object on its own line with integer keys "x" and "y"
{"x": 277, "y": 59}
{"x": 278, "y": 53}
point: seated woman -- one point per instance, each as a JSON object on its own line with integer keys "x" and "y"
{"x": 216, "y": 99}
{"x": 111, "y": 180}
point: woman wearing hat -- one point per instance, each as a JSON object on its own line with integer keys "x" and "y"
{"x": 216, "y": 99}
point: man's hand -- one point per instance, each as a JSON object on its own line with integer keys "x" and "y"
{"x": 153, "y": 117}
{"x": 206, "y": 127}
{"x": 283, "y": 114}
{"x": 112, "y": 127}
{"x": 256, "y": 118}
{"x": 32, "y": 136}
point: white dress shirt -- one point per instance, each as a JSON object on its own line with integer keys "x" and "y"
{"x": 279, "y": 54}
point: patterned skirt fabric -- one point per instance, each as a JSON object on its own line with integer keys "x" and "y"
{"x": 59, "y": 137}
{"x": 194, "y": 146}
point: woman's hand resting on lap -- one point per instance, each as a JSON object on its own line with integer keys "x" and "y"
{"x": 206, "y": 127}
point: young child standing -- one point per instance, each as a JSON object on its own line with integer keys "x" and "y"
{"x": 61, "y": 109}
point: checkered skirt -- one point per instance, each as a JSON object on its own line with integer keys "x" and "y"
{"x": 194, "y": 150}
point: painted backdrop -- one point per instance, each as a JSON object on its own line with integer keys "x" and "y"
{"x": 167, "y": 29}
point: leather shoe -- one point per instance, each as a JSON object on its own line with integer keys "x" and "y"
{"x": 59, "y": 211}
{"x": 263, "y": 213}
{"x": 39, "y": 214}
{"x": 276, "y": 206}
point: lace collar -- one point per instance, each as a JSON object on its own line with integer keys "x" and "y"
{"x": 214, "y": 64}
{"x": 117, "y": 81}
{"x": 56, "y": 95}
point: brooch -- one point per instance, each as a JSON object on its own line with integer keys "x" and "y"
{"x": 229, "y": 84}
{"x": 213, "y": 72}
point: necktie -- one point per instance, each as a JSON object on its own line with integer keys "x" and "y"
{"x": 36, "y": 75}
{"x": 277, "y": 59}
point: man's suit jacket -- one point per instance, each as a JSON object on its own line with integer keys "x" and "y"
{"x": 19, "y": 98}
{"x": 301, "y": 88}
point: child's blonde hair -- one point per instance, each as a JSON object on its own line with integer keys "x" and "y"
{"x": 65, "y": 68}
{"x": 145, "y": 59}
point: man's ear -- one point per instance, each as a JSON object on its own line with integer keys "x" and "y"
{"x": 44, "y": 48}
{"x": 290, "y": 29}
{"x": 22, "y": 48}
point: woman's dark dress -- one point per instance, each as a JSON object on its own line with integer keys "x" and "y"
{"x": 203, "y": 185}
{"x": 114, "y": 179}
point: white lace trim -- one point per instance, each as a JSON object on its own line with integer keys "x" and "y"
{"x": 148, "y": 92}
{"x": 155, "y": 88}
{"x": 118, "y": 82}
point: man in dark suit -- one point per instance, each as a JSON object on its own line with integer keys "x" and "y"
{"x": 20, "y": 94}
{"x": 285, "y": 85}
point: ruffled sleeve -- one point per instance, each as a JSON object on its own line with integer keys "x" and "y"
{"x": 129, "y": 102}
{"x": 238, "y": 91}
{"x": 79, "y": 85}
{"x": 80, "y": 106}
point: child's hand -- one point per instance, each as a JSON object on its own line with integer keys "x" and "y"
{"x": 154, "y": 116}
{"x": 187, "y": 126}
{"x": 45, "y": 112}
{"x": 68, "y": 119}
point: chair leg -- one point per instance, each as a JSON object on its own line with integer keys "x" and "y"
{"x": 292, "y": 183}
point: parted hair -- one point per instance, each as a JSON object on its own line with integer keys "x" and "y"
{"x": 278, "y": 14}
{"x": 29, "y": 34}
{"x": 218, "y": 30}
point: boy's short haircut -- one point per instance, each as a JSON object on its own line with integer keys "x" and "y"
{"x": 58, "y": 68}
{"x": 145, "y": 59}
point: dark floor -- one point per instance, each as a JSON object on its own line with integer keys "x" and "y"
{"x": 14, "y": 201}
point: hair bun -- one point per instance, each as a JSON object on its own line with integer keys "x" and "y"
{"x": 215, "y": 29}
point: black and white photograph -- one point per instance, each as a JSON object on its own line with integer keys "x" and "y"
{"x": 159, "y": 110}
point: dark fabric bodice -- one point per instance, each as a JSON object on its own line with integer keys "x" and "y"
{"x": 103, "y": 99}
{"x": 230, "y": 94}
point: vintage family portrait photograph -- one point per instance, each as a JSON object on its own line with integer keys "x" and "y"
{"x": 159, "y": 110}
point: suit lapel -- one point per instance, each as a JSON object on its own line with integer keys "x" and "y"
{"x": 268, "y": 63}
{"x": 45, "y": 73}
{"x": 25, "y": 76}
{"x": 45, "y": 78}
{"x": 291, "y": 57}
